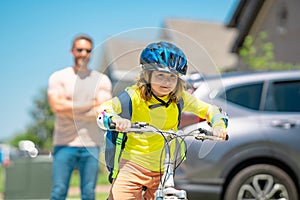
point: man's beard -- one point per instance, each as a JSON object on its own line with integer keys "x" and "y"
{"x": 82, "y": 63}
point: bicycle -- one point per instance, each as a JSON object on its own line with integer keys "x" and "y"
{"x": 166, "y": 189}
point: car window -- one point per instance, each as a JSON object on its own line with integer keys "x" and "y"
{"x": 283, "y": 96}
{"x": 245, "y": 95}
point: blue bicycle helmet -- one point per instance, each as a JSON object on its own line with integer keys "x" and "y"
{"x": 164, "y": 56}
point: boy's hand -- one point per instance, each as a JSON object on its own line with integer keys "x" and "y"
{"x": 220, "y": 132}
{"x": 122, "y": 124}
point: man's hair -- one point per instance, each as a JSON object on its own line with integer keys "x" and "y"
{"x": 82, "y": 37}
{"x": 144, "y": 87}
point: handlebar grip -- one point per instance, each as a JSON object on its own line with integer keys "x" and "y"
{"x": 111, "y": 124}
{"x": 227, "y": 137}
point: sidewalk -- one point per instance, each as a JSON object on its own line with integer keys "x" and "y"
{"x": 99, "y": 189}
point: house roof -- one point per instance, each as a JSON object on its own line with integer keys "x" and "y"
{"x": 243, "y": 18}
{"x": 213, "y": 39}
{"x": 122, "y": 58}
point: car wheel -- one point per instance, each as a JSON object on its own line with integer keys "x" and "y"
{"x": 261, "y": 181}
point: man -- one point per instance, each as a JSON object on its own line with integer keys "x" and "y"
{"x": 73, "y": 94}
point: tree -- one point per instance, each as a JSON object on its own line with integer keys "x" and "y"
{"x": 258, "y": 54}
{"x": 40, "y": 130}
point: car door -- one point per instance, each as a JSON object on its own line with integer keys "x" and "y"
{"x": 281, "y": 112}
{"x": 282, "y": 98}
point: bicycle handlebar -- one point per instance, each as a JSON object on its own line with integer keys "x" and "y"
{"x": 198, "y": 133}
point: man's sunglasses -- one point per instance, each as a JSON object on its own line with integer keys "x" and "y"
{"x": 81, "y": 50}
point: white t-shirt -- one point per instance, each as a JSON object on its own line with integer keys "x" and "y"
{"x": 82, "y": 89}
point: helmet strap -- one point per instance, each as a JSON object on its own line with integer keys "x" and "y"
{"x": 162, "y": 102}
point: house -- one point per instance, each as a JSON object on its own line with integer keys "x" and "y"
{"x": 280, "y": 19}
{"x": 120, "y": 61}
{"x": 207, "y": 44}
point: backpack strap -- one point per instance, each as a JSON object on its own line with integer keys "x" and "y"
{"x": 126, "y": 105}
{"x": 180, "y": 105}
{"x": 119, "y": 143}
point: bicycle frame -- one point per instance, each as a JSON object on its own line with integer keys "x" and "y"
{"x": 166, "y": 188}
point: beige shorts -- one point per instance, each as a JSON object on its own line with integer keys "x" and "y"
{"x": 130, "y": 180}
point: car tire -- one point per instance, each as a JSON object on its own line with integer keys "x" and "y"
{"x": 261, "y": 181}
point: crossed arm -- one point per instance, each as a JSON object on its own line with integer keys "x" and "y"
{"x": 65, "y": 106}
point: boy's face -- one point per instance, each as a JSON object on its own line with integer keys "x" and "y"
{"x": 163, "y": 83}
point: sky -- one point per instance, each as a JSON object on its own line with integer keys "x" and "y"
{"x": 35, "y": 39}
